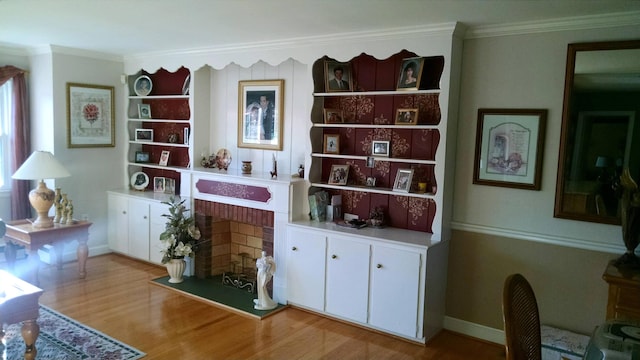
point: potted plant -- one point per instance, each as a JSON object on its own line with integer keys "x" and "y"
{"x": 178, "y": 239}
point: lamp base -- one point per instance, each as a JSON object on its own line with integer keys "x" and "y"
{"x": 41, "y": 199}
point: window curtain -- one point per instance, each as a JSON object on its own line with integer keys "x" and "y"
{"x": 20, "y": 139}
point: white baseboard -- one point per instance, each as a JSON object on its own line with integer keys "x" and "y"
{"x": 474, "y": 330}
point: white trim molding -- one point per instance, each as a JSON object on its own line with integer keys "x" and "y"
{"x": 474, "y": 330}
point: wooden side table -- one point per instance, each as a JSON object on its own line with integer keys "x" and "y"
{"x": 624, "y": 292}
{"x": 19, "y": 302}
{"x": 21, "y": 232}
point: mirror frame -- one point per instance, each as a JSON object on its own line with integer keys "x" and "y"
{"x": 572, "y": 51}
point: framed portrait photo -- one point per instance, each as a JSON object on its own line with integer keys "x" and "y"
{"x": 333, "y": 116}
{"x": 90, "y": 116}
{"x": 260, "y": 104}
{"x": 410, "y": 74}
{"x": 337, "y": 76}
{"x": 403, "y": 180}
{"x": 338, "y": 175}
{"x": 143, "y": 85}
{"x": 509, "y": 147}
{"x": 144, "y": 111}
{"x": 331, "y": 144}
{"x": 144, "y": 135}
{"x": 406, "y": 116}
{"x": 158, "y": 184}
{"x": 139, "y": 181}
{"x": 379, "y": 148}
{"x": 142, "y": 157}
{"x": 164, "y": 158}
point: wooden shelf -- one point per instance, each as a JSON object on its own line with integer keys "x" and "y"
{"x": 377, "y": 158}
{"x": 376, "y": 126}
{"x": 376, "y": 93}
{"x": 156, "y": 166}
{"x": 377, "y": 190}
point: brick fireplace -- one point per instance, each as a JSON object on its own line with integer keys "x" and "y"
{"x": 232, "y": 237}
{"x": 242, "y": 213}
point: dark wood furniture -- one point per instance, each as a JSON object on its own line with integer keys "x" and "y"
{"x": 624, "y": 292}
{"x": 19, "y": 303}
{"x": 521, "y": 319}
{"x": 21, "y": 232}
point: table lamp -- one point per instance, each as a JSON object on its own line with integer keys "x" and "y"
{"x": 39, "y": 166}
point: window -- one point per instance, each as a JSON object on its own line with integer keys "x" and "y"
{"x": 5, "y": 132}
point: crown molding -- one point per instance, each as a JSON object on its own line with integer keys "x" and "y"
{"x": 57, "y": 49}
{"x": 13, "y": 50}
{"x": 631, "y": 18}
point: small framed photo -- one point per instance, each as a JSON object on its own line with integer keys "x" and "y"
{"x": 406, "y": 116}
{"x": 337, "y": 76}
{"x": 331, "y": 144}
{"x": 143, "y": 85}
{"x": 333, "y": 116}
{"x": 379, "y": 148}
{"x": 142, "y": 157}
{"x": 164, "y": 158}
{"x": 410, "y": 73}
{"x": 371, "y": 161}
{"x": 371, "y": 181}
{"x": 144, "y": 135}
{"x": 185, "y": 136}
{"x": 339, "y": 175}
{"x": 261, "y": 114}
{"x": 144, "y": 111}
{"x": 158, "y": 184}
{"x": 169, "y": 186}
{"x": 403, "y": 180}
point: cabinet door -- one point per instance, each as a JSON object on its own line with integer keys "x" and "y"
{"x": 139, "y": 229}
{"x": 395, "y": 283}
{"x": 156, "y": 226}
{"x": 347, "y": 291}
{"x": 305, "y": 267}
{"x": 118, "y": 232}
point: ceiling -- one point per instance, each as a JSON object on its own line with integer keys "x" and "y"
{"x": 126, "y": 27}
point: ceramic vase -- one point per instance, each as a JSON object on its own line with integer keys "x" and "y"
{"x": 246, "y": 167}
{"x": 175, "y": 268}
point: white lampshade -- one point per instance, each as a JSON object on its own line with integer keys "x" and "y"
{"x": 39, "y": 166}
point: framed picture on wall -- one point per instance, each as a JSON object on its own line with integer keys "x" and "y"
{"x": 509, "y": 147}
{"x": 90, "y": 116}
{"x": 260, "y": 116}
{"x": 410, "y": 73}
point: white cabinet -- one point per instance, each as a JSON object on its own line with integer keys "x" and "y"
{"x": 395, "y": 298}
{"x": 135, "y": 224}
{"x": 347, "y": 278}
{"x": 373, "y": 277}
{"x": 305, "y": 268}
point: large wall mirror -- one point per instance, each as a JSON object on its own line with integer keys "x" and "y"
{"x": 600, "y": 129}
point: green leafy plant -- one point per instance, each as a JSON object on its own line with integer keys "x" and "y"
{"x": 180, "y": 236}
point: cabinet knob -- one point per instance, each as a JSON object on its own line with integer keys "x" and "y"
{"x": 124, "y": 212}
{"x": 334, "y": 256}
{"x": 379, "y": 266}
{"x": 294, "y": 248}
{"x": 145, "y": 217}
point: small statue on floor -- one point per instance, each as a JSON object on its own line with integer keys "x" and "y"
{"x": 266, "y": 268}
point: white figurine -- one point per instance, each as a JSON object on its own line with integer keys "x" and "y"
{"x": 266, "y": 268}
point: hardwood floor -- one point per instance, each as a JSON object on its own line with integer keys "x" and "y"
{"x": 117, "y": 299}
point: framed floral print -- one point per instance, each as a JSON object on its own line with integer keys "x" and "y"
{"x": 90, "y": 116}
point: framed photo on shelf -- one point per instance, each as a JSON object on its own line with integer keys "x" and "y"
{"x": 169, "y": 186}
{"x": 331, "y": 144}
{"x": 371, "y": 181}
{"x": 410, "y": 73}
{"x": 339, "y": 175}
{"x": 371, "y": 161}
{"x": 142, "y": 157}
{"x": 158, "y": 184}
{"x": 333, "y": 116}
{"x": 509, "y": 148}
{"x": 144, "y": 135}
{"x": 406, "y": 116}
{"x": 164, "y": 158}
{"x": 144, "y": 111}
{"x": 185, "y": 136}
{"x": 337, "y": 76}
{"x": 90, "y": 116}
{"x": 260, "y": 106}
{"x": 403, "y": 180}
{"x": 143, "y": 85}
{"x": 379, "y": 148}
{"x": 139, "y": 181}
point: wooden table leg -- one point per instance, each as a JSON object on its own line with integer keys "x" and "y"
{"x": 30, "y": 332}
{"x": 83, "y": 254}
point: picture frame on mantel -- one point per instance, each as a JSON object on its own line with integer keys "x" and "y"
{"x": 90, "y": 116}
{"x": 509, "y": 148}
{"x": 260, "y": 114}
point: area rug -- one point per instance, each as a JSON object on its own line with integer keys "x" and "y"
{"x": 212, "y": 291}
{"x": 62, "y": 338}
